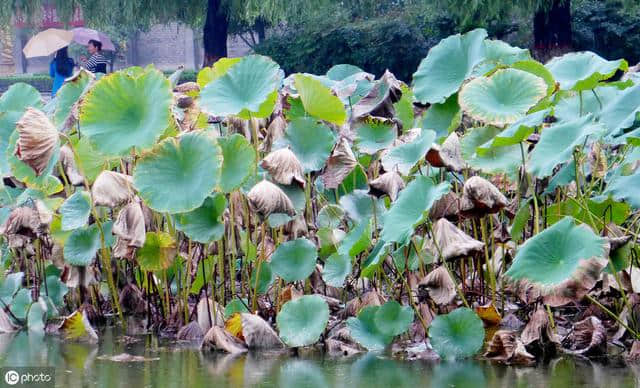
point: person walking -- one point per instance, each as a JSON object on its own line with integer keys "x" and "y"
{"x": 97, "y": 63}
{"x": 60, "y": 68}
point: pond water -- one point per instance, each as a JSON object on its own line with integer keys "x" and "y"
{"x": 179, "y": 365}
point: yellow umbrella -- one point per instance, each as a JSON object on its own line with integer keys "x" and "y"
{"x": 47, "y": 42}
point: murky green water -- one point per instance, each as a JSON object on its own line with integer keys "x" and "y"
{"x": 79, "y": 365}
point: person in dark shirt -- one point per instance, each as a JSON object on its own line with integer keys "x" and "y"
{"x": 97, "y": 63}
{"x": 60, "y": 68}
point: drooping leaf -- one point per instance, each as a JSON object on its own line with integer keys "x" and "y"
{"x": 19, "y": 307}
{"x": 37, "y": 316}
{"x": 67, "y": 96}
{"x": 179, "y": 173}
{"x": 456, "y": 335}
{"x": 302, "y": 321}
{"x": 122, "y": 111}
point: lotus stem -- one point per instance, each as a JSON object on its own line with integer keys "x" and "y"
{"x": 612, "y": 315}
{"x": 232, "y": 248}
{"x": 254, "y": 300}
{"x": 492, "y": 278}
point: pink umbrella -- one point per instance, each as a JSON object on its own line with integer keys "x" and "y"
{"x": 84, "y": 35}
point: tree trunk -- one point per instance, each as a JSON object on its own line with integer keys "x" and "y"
{"x": 552, "y": 29}
{"x": 260, "y": 28}
{"x": 215, "y": 33}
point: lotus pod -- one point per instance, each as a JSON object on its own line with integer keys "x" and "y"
{"x": 70, "y": 169}
{"x": 506, "y": 347}
{"x": 439, "y": 285}
{"x": 447, "y": 155}
{"x": 266, "y": 198}
{"x": 284, "y": 167}
{"x": 480, "y": 197}
{"x": 453, "y": 242}
{"x": 218, "y": 338}
{"x": 389, "y": 183}
{"x": 258, "y": 334}
{"x": 112, "y": 189}
{"x": 38, "y": 140}
{"x": 339, "y": 165}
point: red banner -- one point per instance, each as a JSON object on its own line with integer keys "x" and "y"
{"x": 49, "y": 19}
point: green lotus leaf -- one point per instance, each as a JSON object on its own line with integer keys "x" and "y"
{"x": 502, "y": 98}
{"x": 336, "y": 269}
{"x": 238, "y": 161}
{"x": 13, "y": 103}
{"x": 625, "y": 188}
{"x": 410, "y": 208}
{"x": 301, "y": 321}
{"x": 443, "y": 118}
{"x": 456, "y": 335}
{"x": 236, "y": 306}
{"x": 517, "y": 132}
{"x": 330, "y": 216}
{"x": 81, "y": 246}
{"x": 10, "y": 285}
{"x": 264, "y": 279}
{"x": 475, "y": 138}
{"x": 294, "y": 260}
{"x": 91, "y": 161}
{"x": 204, "y": 224}
{"x": 496, "y": 53}
{"x": 447, "y": 65}
{"x": 605, "y": 209}
{"x": 248, "y": 88}
{"x": 37, "y": 316}
{"x": 56, "y": 289}
{"x": 583, "y": 70}
{"x": 557, "y": 143}
{"x": 68, "y": 95}
{"x": 75, "y": 210}
{"x": 19, "y": 307}
{"x": 374, "y": 134}
{"x": 217, "y": 70}
{"x": 564, "y": 176}
{"x": 179, "y": 173}
{"x": 328, "y": 241}
{"x": 404, "y": 156}
{"x": 357, "y": 240}
{"x": 537, "y": 68}
{"x": 498, "y": 160}
{"x": 363, "y": 329}
{"x": 622, "y": 111}
{"x": 393, "y": 319}
{"x": 318, "y": 100}
{"x": 157, "y": 253}
{"x": 360, "y": 206}
{"x": 122, "y": 111}
{"x": 554, "y": 255}
{"x": 342, "y": 72}
{"x": 594, "y": 101}
{"x": 310, "y": 141}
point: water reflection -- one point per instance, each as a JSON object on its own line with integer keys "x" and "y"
{"x": 183, "y": 365}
